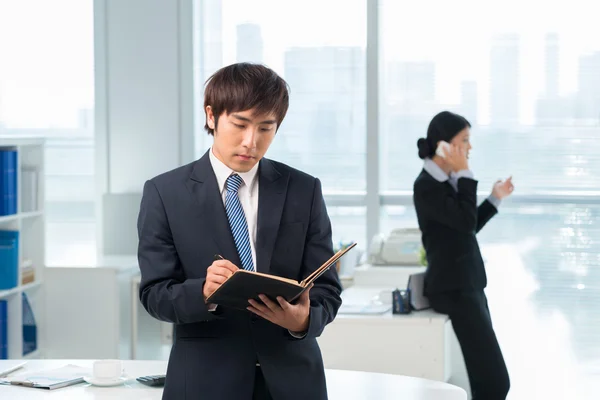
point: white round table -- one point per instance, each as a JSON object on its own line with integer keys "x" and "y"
{"x": 342, "y": 385}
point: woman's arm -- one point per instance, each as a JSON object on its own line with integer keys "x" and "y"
{"x": 485, "y": 212}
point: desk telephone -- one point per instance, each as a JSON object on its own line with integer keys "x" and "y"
{"x": 401, "y": 247}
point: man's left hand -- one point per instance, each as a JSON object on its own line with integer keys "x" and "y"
{"x": 293, "y": 317}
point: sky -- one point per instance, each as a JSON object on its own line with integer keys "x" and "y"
{"x": 455, "y": 35}
{"x": 46, "y": 46}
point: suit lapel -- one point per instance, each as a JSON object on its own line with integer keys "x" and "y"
{"x": 272, "y": 188}
{"x": 212, "y": 220}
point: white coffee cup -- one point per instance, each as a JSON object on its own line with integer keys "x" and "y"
{"x": 107, "y": 369}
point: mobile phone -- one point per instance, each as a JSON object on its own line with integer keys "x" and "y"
{"x": 442, "y": 149}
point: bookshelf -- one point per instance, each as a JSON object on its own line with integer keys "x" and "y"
{"x": 29, "y": 222}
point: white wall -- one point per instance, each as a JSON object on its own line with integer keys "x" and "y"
{"x": 144, "y": 105}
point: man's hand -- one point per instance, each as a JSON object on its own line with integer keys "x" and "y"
{"x": 503, "y": 189}
{"x": 216, "y": 274}
{"x": 293, "y": 317}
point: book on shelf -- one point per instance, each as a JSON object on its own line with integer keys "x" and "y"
{"x": 29, "y": 327}
{"x": 27, "y": 275}
{"x": 3, "y": 329}
{"x": 243, "y": 285}
{"x": 27, "y": 272}
{"x": 8, "y": 182}
{"x": 9, "y": 259}
{"x": 29, "y": 189}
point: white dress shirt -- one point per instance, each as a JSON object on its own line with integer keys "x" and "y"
{"x": 247, "y": 193}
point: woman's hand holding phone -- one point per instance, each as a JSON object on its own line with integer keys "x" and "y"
{"x": 454, "y": 156}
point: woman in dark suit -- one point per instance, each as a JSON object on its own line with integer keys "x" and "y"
{"x": 445, "y": 198}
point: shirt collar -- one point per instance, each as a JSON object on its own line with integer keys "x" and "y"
{"x": 434, "y": 170}
{"x": 222, "y": 172}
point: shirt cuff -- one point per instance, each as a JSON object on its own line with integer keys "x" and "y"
{"x": 212, "y": 307}
{"x": 300, "y": 335}
{"x": 464, "y": 173}
{"x": 494, "y": 200}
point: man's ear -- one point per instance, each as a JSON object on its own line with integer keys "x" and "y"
{"x": 210, "y": 117}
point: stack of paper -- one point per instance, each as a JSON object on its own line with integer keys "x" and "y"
{"x": 49, "y": 379}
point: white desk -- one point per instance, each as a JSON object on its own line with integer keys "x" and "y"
{"x": 384, "y": 275}
{"x": 421, "y": 344}
{"x": 342, "y": 385}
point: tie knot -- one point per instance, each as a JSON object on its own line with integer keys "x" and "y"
{"x": 233, "y": 183}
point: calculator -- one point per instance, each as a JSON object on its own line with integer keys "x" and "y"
{"x": 152, "y": 380}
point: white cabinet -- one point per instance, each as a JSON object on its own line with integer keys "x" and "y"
{"x": 90, "y": 309}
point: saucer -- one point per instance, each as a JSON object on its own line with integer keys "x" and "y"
{"x": 106, "y": 382}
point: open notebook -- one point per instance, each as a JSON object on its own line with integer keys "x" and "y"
{"x": 49, "y": 379}
{"x": 244, "y": 285}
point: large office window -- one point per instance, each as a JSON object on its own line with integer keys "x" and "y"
{"x": 324, "y": 63}
{"x": 527, "y": 76}
{"x": 47, "y": 89}
{"x": 530, "y": 86}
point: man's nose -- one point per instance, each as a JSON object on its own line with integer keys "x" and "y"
{"x": 249, "y": 138}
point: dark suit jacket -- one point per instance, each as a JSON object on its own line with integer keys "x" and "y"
{"x": 182, "y": 224}
{"x": 449, "y": 221}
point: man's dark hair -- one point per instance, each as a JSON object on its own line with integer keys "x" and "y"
{"x": 245, "y": 86}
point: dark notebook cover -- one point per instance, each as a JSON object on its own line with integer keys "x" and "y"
{"x": 244, "y": 285}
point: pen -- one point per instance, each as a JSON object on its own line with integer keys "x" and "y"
{"x": 218, "y": 257}
{"x": 5, "y": 374}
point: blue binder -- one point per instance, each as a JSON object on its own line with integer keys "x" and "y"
{"x": 3, "y": 330}
{"x": 8, "y": 182}
{"x": 29, "y": 328}
{"x": 9, "y": 259}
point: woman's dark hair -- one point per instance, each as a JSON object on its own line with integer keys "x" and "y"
{"x": 444, "y": 126}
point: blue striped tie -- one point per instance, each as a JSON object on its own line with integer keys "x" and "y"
{"x": 237, "y": 221}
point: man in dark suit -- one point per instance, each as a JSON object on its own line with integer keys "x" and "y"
{"x": 257, "y": 214}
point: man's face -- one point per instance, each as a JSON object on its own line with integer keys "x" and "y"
{"x": 241, "y": 138}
